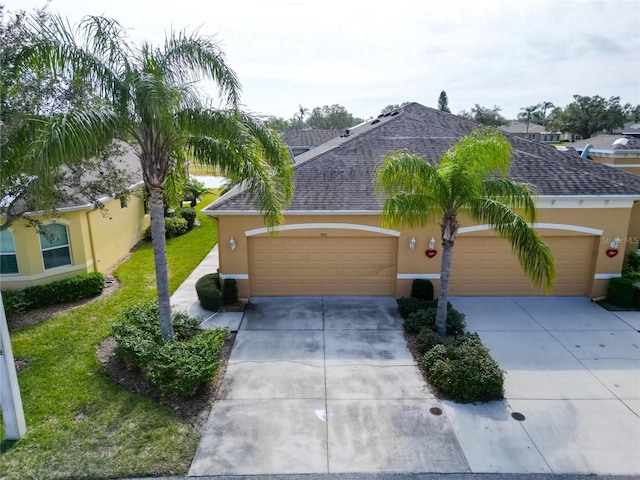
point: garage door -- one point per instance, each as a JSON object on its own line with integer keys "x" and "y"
{"x": 322, "y": 266}
{"x": 486, "y": 266}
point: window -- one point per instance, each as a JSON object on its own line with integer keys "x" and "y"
{"x": 54, "y": 242}
{"x": 123, "y": 202}
{"x": 532, "y": 136}
{"x": 8, "y": 260}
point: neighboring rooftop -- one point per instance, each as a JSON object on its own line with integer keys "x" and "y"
{"x": 608, "y": 143}
{"x": 300, "y": 141}
{"x": 338, "y": 175}
{"x": 521, "y": 127}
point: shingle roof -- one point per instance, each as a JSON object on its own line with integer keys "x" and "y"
{"x": 337, "y": 175}
{"x": 521, "y": 127}
{"x": 309, "y": 138}
{"x": 609, "y": 142}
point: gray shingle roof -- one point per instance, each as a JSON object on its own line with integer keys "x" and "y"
{"x": 521, "y": 127}
{"x": 309, "y": 138}
{"x": 609, "y": 142}
{"x": 338, "y": 174}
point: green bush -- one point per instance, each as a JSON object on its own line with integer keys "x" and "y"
{"x": 636, "y": 295}
{"x": 229, "y": 291}
{"x": 180, "y": 366}
{"x": 15, "y": 301}
{"x": 66, "y": 290}
{"x": 409, "y": 305}
{"x": 456, "y": 324}
{"x": 426, "y": 340}
{"x": 422, "y": 289}
{"x": 208, "y": 292}
{"x": 173, "y": 227}
{"x": 631, "y": 264}
{"x": 464, "y": 371}
{"x": 189, "y": 214}
{"x": 620, "y": 291}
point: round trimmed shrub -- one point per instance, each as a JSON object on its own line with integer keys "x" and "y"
{"x": 426, "y": 340}
{"x": 189, "y": 214}
{"x": 208, "y": 293}
{"x": 422, "y": 289}
{"x": 426, "y": 317}
{"x": 464, "y": 372}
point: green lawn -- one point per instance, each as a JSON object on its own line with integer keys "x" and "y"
{"x": 80, "y": 423}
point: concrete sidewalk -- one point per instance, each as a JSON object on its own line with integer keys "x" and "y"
{"x": 185, "y": 298}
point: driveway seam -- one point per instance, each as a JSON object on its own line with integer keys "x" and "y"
{"x": 526, "y": 432}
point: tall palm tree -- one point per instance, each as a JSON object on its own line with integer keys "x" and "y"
{"x": 464, "y": 183}
{"x": 151, "y": 102}
{"x": 544, "y": 106}
{"x": 528, "y": 112}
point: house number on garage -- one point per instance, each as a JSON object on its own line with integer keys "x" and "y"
{"x": 323, "y": 235}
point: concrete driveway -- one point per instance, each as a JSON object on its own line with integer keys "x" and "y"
{"x": 327, "y": 385}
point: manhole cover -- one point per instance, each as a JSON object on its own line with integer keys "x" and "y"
{"x": 517, "y": 416}
{"x": 435, "y": 411}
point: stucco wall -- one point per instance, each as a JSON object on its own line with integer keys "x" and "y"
{"x": 612, "y": 222}
{"x": 626, "y": 164}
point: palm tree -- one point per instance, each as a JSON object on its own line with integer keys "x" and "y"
{"x": 151, "y": 102}
{"x": 302, "y": 112}
{"x": 528, "y": 112}
{"x": 544, "y": 106}
{"x": 464, "y": 183}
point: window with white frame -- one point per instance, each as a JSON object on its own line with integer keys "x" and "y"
{"x": 8, "y": 259}
{"x": 54, "y": 242}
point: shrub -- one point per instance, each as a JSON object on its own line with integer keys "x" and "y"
{"x": 173, "y": 227}
{"x": 456, "y": 324}
{"x": 409, "y": 305}
{"x": 464, "y": 371}
{"x": 189, "y": 214}
{"x": 631, "y": 264}
{"x": 15, "y": 301}
{"x": 208, "y": 293}
{"x": 636, "y": 295}
{"x": 620, "y": 291}
{"x": 180, "y": 366}
{"x": 229, "y": 291}
{"x": 422, "y": 289}
{"x": 66, "y": 290}
{"x": 426, "y": 340}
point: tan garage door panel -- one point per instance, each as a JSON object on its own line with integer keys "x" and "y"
{"x": 486, "y": 266}
{"x": 322, "y": 266}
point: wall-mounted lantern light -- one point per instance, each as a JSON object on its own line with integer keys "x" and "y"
{"x": 412, "y": 243}
{"x": 432, "y": 243}
{"x": 232, "y": 244}
{"x": 615, "y": 242}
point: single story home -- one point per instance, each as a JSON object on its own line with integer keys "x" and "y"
{"x": 332, "y": 241}
{"x": 620, "y": 151}
{"x": 533, "y": 131}
{"x": 81, "y": 238}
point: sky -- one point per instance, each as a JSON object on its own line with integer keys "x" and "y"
{"x": 366, "y": 54}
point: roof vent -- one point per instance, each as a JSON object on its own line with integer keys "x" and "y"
{"x": 346, "y": 133}
{"x": 621, "y": 141}
{"x": 395, "y": 113}
{"x": 387, "y": 114}
{"x": 375, "y": 121}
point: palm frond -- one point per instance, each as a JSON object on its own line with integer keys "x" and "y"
{"x": 534, "y": 255}
{"x": 513, "y": 194}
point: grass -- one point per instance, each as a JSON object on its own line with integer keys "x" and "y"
{"x": 80, "y": 423}
{"x": 197, "y": 169}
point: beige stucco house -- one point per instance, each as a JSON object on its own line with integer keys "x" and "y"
{"x": 332, "y": 242}
{"x": 621, "y": 151}
{"x": 83, "y": 238}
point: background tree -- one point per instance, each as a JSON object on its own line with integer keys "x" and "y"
{"x": 464, "y": 182}
{"x": 443, "y": 102}
{"x": 544, "y": 107}
{"x": 484, "y": 115}
{"x": 332, "y": 117}
{"x": 392, "y": 107}
{"x": 527, "y": 114}
{"x": 299, "y": 116}
{"x": 32, "y": 103}
{"x": 587, "y": 116}
{"x": 151, "y": 102}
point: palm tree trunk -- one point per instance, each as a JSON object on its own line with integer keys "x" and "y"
{"x": 156, "y": 207}
{"x": 449, "y": 229}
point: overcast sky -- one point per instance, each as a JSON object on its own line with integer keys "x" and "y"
{"x": 367, "y": 54}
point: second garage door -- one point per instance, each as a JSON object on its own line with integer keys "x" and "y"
{"x": 486, "y": 266}
{"x": 322, "y": 266}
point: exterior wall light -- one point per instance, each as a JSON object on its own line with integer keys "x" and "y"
{"x": 232, "y": 244}
{"x": 432, "y": 243}
{"x": 615, "y": 242}
{"x": 412, "y": 243}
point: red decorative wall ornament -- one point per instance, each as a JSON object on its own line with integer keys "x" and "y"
{"x": 431, "y": 253}
{"x": 612, "y": 252}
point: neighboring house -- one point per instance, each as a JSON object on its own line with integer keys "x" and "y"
{"x": 618, "y": 151}
{"x": 535, "y": 132}
{"x": 81, "y": 238}
{"x": 332, "y": 242}
{"x": 301, "y": 141}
